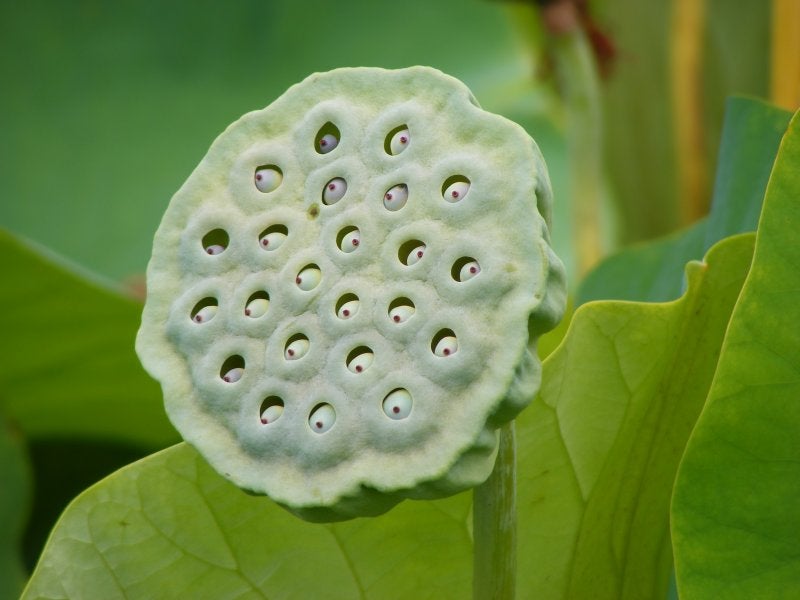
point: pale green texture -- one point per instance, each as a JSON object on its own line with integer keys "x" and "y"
{"x": 72, "y": 371}
{"x": 169, "y": 526}
{"x": 736, "y": 505}
{"x": 366, "y": 462}
{"x": 15, "y": 493}
{"x": 599, "y": 447}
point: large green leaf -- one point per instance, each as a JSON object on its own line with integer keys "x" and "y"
{"x": 16, "y": 481}
{"x": 736, "y": 506}
{"x": 106, "y": 108}
{"x": 653, "y": 272}
{"x": 619, "y": 399}
{"x": 69, "y": 369}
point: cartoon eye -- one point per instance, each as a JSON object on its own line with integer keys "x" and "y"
{"x": 401, "y": 313}
{"x": 456, "y": 191}
{"x": 204, "y": 311}
{"x": 322, "y": 418}
{"x": 267, "y": 179}
{"x": 296, "y": 348}
{"x": 360, "y": 359}
{"x": 397, "y": 404}
{"x": 349, "y": 239}
{"x": 348, "y": 309}
{"x": 415, "y": 255}
{"x": 334, "y": 191}
{"x": 399, "y": 142}
{"x": 272, "y": 238}
{"x": 395, "y": 198}
{"x": 469, "y": 270}
{"x": 308, "y": 278}
{"x": 257, "y": 306}
{"x": 271, "y": 410}
{"x": 445, "y": 345}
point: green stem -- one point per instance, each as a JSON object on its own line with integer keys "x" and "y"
{"x": 494, "y": 519}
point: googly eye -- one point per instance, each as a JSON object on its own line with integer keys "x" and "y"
{"x": 322, "y": 418}
{"x": 215, "y": 242}
{"x": 348, "y": 309}
{"x": 456, "y": 191}
{"x": 232, "y": 369}
{"x": 296, "y": 348}
{"x": 469, "y": 270}
{"x": 256, "y": 307}
{"x": 308, "y": 278}
{"x": 349, "y": 239}
{"x": 327, "y": 143}
{"x": 334, "y": 191}
{"x": 273, "y": 237}
{"x": 415, "y": 255}
{"x": 204, "y": 311}
{"x": 271, "y": 410}
{"x": 267, "y": 179}
{"x": 401, "y": 313}
{"x": 445, "y": 344}
{"x": 395, "y": 197}
{"x": 360, "y": 359}
{"x": 399, "y": 142}
{"x": 397, "y": 404}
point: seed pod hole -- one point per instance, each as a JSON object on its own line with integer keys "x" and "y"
{"x": 397, "y": 404}
{"x": 465, "y": 268}
{"x": 401, "y": 310}
{"x": 360, "y": 359}
{"x": 348, "y": 239}
{"x": 397, "y": 140}
{"x": 232, "y": 369}
{"x": 257, "y": 305}
{"x": 327, "y": 138}
{"x": 347, "y": 306}
{"x": 215, "y": 241}
{"x": 322, "y": 418}
{"x": 334, "y": 191}
{"x": 411, "y": 252}
{"x": 396, "y": 197}
{"x": 204, "y": 310}
{"x": 455, "y": 188}
{"x": 273, "y": 237}
{"x": 267, "y": 178}
{"x": 296, "y": 347}
{"x": 444, "y": 343}
{"x": 271, "y": 410}
{"x": 308, "y": 278}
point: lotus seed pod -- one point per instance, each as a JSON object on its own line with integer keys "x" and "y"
{"x": 403, "y": 361}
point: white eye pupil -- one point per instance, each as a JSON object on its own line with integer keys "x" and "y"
{"x": 334, "y": 191}
{"x": 268, "y": 179}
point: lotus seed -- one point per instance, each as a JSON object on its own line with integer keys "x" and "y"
{"x": 334, "y": 191}
{"x": 296, "y": 349}
{"x": 402, "y": 313}
{"x": 415, "y": 255}
{"x": 397, "y": 405}
{"x": 348, "y": 309}
{"x": 469, "y": 270}
{"x": 327, "y": 143}
{"x": 350, "y": 241}
{"x": 215, "y": 249}
{"x": 322, "y": 419}
{"x": 308, "y": 278}
{"x": 271, "y": 414}
{"x": 399, "y": 141}
{"x": 256, "y": 308}
{"x": 273, "y": 240}
{"x": 205, "y": 314}
{"x": 447, "y": 346}
{"x": 456, "y": 191}
{"x": 233, "y": 375}
{"x": 268, "y": 179}
{"x": 396, "y": 197}
{"x": 361, "y": 362}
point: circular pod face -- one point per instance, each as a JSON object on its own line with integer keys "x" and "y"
{"x": 339, "y": 325}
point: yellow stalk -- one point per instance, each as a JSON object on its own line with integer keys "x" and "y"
{"x": 785, "y": 59}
